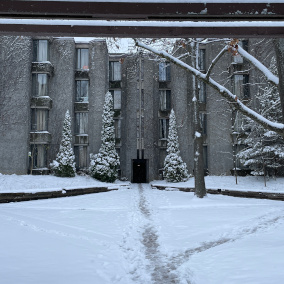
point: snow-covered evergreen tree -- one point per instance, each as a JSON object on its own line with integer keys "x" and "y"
{"x": 64, "y": 165}
{"x": 265, "y": 149}
{"x": 104, "y": 165}
{"x": 175, "y": 170}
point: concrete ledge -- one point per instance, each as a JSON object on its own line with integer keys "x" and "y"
{"x": 26, "y": 196}
{"x": 234, "y": 193}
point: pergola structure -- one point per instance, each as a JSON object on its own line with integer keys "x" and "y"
{"x": 143, "y": 18}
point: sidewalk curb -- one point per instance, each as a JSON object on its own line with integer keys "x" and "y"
{"x": 233, "y": 193}
{"x": 28, "y": 196}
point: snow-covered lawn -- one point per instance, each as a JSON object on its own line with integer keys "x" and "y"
{"x": 142, "y": 235}
{"x": 30, "y": 183}
{"x": 247, "y": 183}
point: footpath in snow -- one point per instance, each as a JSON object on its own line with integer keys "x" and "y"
{"x": 142, "y": 235}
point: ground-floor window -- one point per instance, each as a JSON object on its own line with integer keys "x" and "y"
{"x": 81, "y": 154}
{"x": 38, "y": 156}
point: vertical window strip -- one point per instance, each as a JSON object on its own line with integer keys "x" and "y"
{"x": 82, "y": 59}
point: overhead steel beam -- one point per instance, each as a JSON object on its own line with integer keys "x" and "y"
{"x": 108, "y": 13}
{"x": 131, "y": 10}
{"x": 151, "y": 29}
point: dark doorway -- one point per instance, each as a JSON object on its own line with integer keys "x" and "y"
{"x": 139, "y": 171}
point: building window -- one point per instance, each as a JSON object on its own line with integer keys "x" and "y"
{"x": 202, "y": 93}
{"x": 201, "y": 59}
{"x": 41, "y": 50}
{"x": 116, "y": 95}
{"x": 165, "y": 100}
{"x": 40, "y": 83}
{"x": 117, "y": 128}
{"x": 164, "y": 71}
{"x": 81, "y": 154}
{"x": 81, "y": 123}
{"x": 82, "y": 59}
{"x": 203, "y": 123}
{"x": 241, "y": 86}
{"x": 39, "y": 119}
{"x": 114, "y": 71}
{"x": 82, "y": 91}
{"x": 238, "y": 58}
{"x": 163, "y": 128}
{"x": 38, "y": 156}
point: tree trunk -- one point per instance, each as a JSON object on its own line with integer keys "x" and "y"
{"x": 200, "y": 189}
{"x": 279, "y": 50}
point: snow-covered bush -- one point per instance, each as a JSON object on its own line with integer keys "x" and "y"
{"x": 104, "y": 165}
{"x": 175, "y": 170}
{"x": 64, "y": 165}
{"x": 264, "y": 148}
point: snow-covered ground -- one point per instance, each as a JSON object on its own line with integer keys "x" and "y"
{"x": 248, "y": 183}
{"x": 30, "y": 183}
{"x": 142, "y": 235}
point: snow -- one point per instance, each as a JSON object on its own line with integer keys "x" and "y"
{"x": 247, "y": 183}
{"x": 31, "y": 183}
{"x": 142, "y": 235}
{"x": 117, "y": 23}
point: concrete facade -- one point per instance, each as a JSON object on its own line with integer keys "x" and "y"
{"x": 138, "y": 115}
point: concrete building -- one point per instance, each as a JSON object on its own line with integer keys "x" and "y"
{"x": 42, "y": 77}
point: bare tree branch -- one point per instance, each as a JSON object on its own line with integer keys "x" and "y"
{"x": 224, "y": 92}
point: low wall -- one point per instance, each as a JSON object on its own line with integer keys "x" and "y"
{"x": 234, "y": 193}
{"x": 26, "y": 196}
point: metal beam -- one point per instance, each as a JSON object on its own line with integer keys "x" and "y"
{"x": 110, "y": 12}
{"x": 131, "y": 10}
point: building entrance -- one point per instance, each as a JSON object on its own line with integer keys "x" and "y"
{"x": 139, "y": 171}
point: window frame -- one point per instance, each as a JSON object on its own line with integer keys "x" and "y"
{"x": 37, "y": 50}
{"x": 36, "y": 92}
{"x": 79, "y": 58}
{"x": 164, "y": 72}
{"x": 114, "y": 74}
{"x": 81, "y": 123}
{"x": 165, "y": 99}
{"x": 39, "y": 119}
{"x": 78, "y": 96}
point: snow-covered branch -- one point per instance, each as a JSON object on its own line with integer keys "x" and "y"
{"x": 223, "y": 91}
{"x": 267, "y": 73}
{"x": 215, "y": 60}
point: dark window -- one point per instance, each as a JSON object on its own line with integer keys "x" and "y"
{"x": 38, "y": 156}
{"x": 81, "y": 155}
{"x": 39, "y": 119}
{"x": 164, "y": 128}
{"x": 165, "y": 100}
{"x": 82, "y": 91}
{"x": 41, "y": 50}
{"x": 117, "y": 128}
{"x": 241, "y": 86}
{"x": 82, "y": 59}
{"x": 164, "y": 71}
{"x": 114, "y": 71}
{"x": 246, "y": 91}
{"x": 201, "y": 59}
{"x": 40, "y": 83}
{"x": 202, "y": 92}
{"x": 116, "y": 94}
{"x": 203, "y": 122}
{"x": 81, "y": 123}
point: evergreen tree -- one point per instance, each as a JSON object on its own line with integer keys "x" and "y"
{"x": 265, "y": 149}
{"x": 175, "y": 170}
{"x": 104, "y": 165}
{"x": 64, "y": 165}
